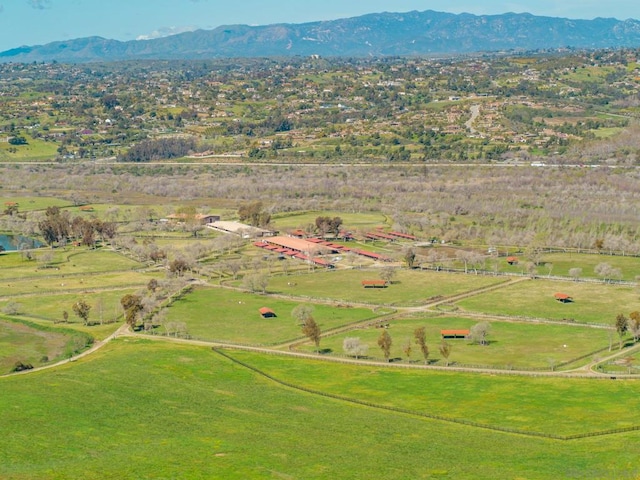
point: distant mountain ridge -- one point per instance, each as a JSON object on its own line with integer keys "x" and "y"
{"x": 378, "y": 34}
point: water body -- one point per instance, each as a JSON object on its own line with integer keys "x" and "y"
{"x": 15, "y": 242}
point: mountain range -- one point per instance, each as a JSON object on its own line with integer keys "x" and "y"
{"x": 379, "y": 34}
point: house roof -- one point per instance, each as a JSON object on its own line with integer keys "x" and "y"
{"x": 562, "y": 296}
{"x": 374, "y": 282}
{"x": 266, "y": 311}
{"x": 455, "y": 332}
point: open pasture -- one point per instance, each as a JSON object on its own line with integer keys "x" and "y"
{"x": 350, "y": 221}
{"x": 559, "y": 264}
{"x": 408, "y": 288}
{"x": 105, "y": 305}
{"x": 232, "y": 316}
{"x": 71, "y": 261}
{"x": 28, "y": 204}
{"x": 592, "y": 302}
{"x": 531, "y": 404}
{"x": 21, "y": 342}
{"x": 185, "y": 412}
{"x": 79, "y": 284}
{"x": 511, "y": 344}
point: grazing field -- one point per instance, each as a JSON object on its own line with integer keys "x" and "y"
{"x": 232, "y": 316}
{"x": 592, "y": 303}
{"x": 560, "y": 264}
{"x": 541, "y": 405}
{"x": 31, "y": 344}
{"x": 350, "y": 221}
{"x": 28, "y": 204}
{"x": 184, "y": 412}
{"x": 74, "y": 283}
{"x": 105, "y": 305}
{"x": 409, "y": 287}
{"x": 64, "y": 262}
{"x": 511, "y": 344}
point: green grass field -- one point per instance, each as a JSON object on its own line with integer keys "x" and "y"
{"x": 149, "y": 410}
{"x": 350, "y": 221}
{"x": 593, "y": 302}
{"x": 410, "y": 287}
{"x": 542, "y": 405}
{"x": 71, "y": 261}
{"x": 232, "y": 316}
{"x": 32, "y": 344}
{"x": 28, "y": 204}
{"x": 511, "y": 345}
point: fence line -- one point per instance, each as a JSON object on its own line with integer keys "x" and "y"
{"x": 426, "y": 415}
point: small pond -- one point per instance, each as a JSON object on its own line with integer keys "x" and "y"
{"x": 15, "y": 242}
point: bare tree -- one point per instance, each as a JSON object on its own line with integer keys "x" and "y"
{"x": 301, "y": 313}
{"x": 575, "y": 273}
{"x": 387, "y": 273}
{"x": 445, "y": 350}
{"x": 480, "y": 332}
{"x": 353, "y": 346}
{"x": 420, "y": 336}
{"x": 407, "y": 349}
{"x": 634, "y": 325}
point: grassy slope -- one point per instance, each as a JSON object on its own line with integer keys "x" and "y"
{"x": 181, "y": 412}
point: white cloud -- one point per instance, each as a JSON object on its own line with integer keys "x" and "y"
{"x": 166, "y": 32}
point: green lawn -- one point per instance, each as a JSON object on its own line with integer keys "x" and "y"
{"x": 543, "y": 405}
{"x": 410, "y": 287}
{"x": 149, "y": 410}
{"x": 232, "y": 316}
{"x": 511, "y": 345}
{"x": 593, "y": 303}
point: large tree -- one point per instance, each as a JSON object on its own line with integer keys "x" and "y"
{"x": 634, "y": 325}
{"x": 302, "y": 313}
{"x": 480, "y": 332}
{"x": 254, "y": 214}
{"x": 312, "y": 331}
{"x": 621, "y": 325}
{"x": 132, "y": 306}
{"x": 384, "y": 342}
{"x": 82, "y": 309}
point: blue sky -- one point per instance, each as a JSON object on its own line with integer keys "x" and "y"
{"x": 33, "y": 22}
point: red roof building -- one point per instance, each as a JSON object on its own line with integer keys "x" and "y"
{"x": 455, "y": 333}
{"x": 374, "y": 283}
{"x": 267, "y": 312}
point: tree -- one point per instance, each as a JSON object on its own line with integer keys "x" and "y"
{"x": 65, "y": 316}
{"x": 575, "y": 273}
{"x": 445, "y": 350}
{"x": 326, "y": 225}
{"x": 254, "y": 214}
{"x": 410, "y": 257}
{"x": 387, "y": 274}
{"x": 634, "y": 325}
{"x": 178, "y": 266}
{"x": 354, "y": 347}
{"x": 312, "y": 331}
{"x": 621, "y": 325}
{"x": 420, "y": 336}
{"x": 302, "y": 313}
{"x": 607, "y": 272}
{"x": 480, "y": 332}
{"x": 385, "y": 342}
{"x": 132, "y": 305}
{"x": 407, "y": 349}
{"x": 82, "y": 309}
